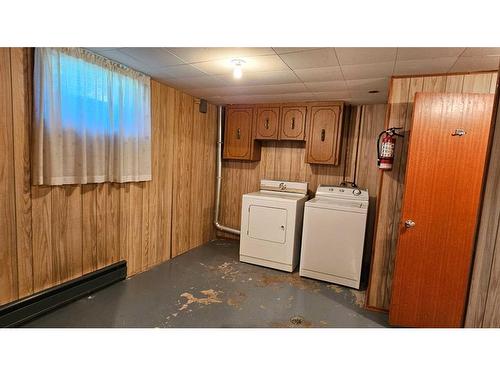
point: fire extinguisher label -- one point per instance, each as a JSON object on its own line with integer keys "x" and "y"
{"x": 387, "y": 149}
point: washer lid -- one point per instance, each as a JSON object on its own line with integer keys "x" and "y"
{"x": 341, "y": 192}
{"x": 284, "y": 186}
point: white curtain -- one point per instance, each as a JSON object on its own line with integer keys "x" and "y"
{"x": 92, "y": 119}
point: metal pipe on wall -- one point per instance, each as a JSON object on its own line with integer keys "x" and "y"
{"x": 218, "y": 225}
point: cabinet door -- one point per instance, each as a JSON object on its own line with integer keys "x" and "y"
{"x": 323, "y": 144}
{"x": 238, "y": 134}
{"x": 293, "y": 123}
{"x": 266, "y": 126}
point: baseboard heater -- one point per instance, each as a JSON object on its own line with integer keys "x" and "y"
{"x": 23, "y": 310}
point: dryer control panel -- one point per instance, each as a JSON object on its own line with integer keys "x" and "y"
{"x": 284, "y": 186}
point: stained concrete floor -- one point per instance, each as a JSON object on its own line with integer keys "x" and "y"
{"x": 209, "y": 287}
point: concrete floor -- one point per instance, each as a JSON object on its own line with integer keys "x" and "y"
{"x": 209, "y": 287}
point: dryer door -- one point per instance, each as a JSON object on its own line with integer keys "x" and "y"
{"x": 267, "y": 223}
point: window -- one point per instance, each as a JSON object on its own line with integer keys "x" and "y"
{"x": 92, "y": 120}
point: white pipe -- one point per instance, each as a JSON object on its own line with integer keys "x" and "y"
{"x": 218, "y": 225}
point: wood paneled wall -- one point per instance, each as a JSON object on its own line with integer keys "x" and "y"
{"x": 51, "y": 234}
{"x": 285, "y": 160}
{"x": 484, "y": 299}
{"x": 402, "y": 93}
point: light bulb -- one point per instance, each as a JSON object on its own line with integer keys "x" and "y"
{"x": 237, "y": 73}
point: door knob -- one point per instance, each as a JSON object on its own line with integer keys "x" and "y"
{"x": 409, "y": 223}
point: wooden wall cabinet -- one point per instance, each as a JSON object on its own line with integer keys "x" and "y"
{"x": 324, "y": 132}
{"x": 267, "y": 123}
{"x": 293, "y": 123}
{"x": 239, "y": 141}
{"x": 319, "y": 123}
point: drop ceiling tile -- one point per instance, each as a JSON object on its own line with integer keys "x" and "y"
{"x": 193, "y": 82}
{"x": 430, "y": 66}
{"x": 332, "y": 95}
{"x": 315, "y": 58}
{"x": 286, "y": 88}
{"x": 329, "y": 73}
{"x": 380, "y": 84}
{"x": 260, "y": 78}
{"x": 176, "y": 71}
{"x": 195, "y": 54}
{"x": 251, "y": 99}
{"x": 362, "y": 71}
{"x": 365, "y": 55}
{"x": 153, "y": 57}
{"x": 283, "y": 89}
{"x": 326, "y": 86}
{"x": 297, "y": 97}
{"x": 282, "y": 50}
{"x": 481, "y": 51}
{"x": 475, "y": 64}
{"x": 420, "y": 53}
{"x": 251, "y": 64}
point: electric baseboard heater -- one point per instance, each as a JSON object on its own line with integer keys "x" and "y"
{"x": 21, "y": 311}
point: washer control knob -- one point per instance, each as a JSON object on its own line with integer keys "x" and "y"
{"x": 356, "y": 192}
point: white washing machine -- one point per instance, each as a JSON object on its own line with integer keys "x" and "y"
{"x": 333, "y": 235}
{"x": 271, "y": 224}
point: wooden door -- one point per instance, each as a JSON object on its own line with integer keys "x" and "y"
{"x": 323, "y": 144}
{"x": 444, "y": 179}
{"x": 293, "y": 123}
{"x": 238, "y": 142}
{"x": 266, "y": 125}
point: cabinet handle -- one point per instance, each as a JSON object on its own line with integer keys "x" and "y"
{"x": 266, "y": 124}
{"x": 238, "y": 133}
{"x": 322, "y": 135}
{"x": 293, "y": 122}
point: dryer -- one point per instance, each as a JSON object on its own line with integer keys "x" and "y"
{"x": 271, "y": 224}
{"x": 334, "y": 234}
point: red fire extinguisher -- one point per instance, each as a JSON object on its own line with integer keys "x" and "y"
{"x": 385, "y": 151}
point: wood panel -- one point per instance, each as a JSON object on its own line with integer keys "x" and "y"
{"x": 402, "y": 93}
{"x": 21, "y": 116}
{"x": 54, "y": 234}
{"x": 367, "y": 175}
{"x": 183, "y": 148}
{"x": 8, "y": 251}
{"x": 484, "y": 305}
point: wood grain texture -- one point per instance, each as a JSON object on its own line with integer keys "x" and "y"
{"x": 267, "y": 121}
{"x": 433, "y": 259}
{"x": 324, "y": 125}
{"x": 53, "y": 234}
{"x": 483, "y": 308}
{"x": 8, "y": 248}
{"x": 293, "y": 123}
{"x": 402, "y": 93}
{"x": 21, "y": 116}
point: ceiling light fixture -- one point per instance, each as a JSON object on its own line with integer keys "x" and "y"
{"x": 237, "y": 72}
